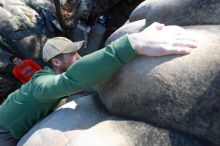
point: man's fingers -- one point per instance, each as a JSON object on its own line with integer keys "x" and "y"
{"x": 173, "y": 29}
{"x": 159, "y": 26}
{"x": 156, "y": 25}
{"x": 160, "y": 40}
{"x": 179, "y": 50}
{"x": 186, "y": 37}
{"x": 185, "y": 43}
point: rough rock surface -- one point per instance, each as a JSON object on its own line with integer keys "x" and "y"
{"x": 180, "y": 92}
{"x": 23, "y": 32}
{"x": 128, "y": 28}
{"x": 83, "y": 122}
{"x": 23, "y": 27}
{"x": 179, "y": 12}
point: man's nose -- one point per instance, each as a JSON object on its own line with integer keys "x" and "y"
{"x": 77, "y": 56}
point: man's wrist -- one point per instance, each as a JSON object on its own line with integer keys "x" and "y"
{"x": 133, "y": 39}
{"x": 124, "y": 49}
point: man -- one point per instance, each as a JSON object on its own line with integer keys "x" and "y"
{"x": 24, "y": 69}
{"x": 68, "y": 73}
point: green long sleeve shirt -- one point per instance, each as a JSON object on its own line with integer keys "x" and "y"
{"x": 38, "y": 97}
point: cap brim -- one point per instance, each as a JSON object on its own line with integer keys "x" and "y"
{"x": 74, "y": 47}
{"x": 80, "y": 43}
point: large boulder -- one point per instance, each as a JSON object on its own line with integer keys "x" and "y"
{"x": 127, "y": 28}
{"x": 23, "y": 25}
{"x": 179, "y": 92}
{"x": 179, "y": 12}
{"x": 24, "y": 28}
{"x": 84, "y": 122}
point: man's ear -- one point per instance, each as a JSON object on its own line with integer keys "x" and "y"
{"x": 56, "y": 62}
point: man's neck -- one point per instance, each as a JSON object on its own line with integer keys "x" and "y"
{"x": 57, "y": 71}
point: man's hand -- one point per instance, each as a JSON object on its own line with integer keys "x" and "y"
{"x": 160, "y": 40}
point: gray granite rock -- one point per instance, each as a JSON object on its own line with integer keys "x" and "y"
{"x": 127, "y": 28}
{"x": 179, "y": 92}
{"x": 23, "y": 26}
{"x": 83, "y": 122}
{"x": 179, "y": 12}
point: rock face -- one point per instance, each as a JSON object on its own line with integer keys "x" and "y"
{"x": 127, "y": 29}
{"x": 83, "y": 122}
{"x": 23, "y": 32}
{"x": 23, "y": 26}
{"x": 174, "y": 92}
{"x": 179, "y": 92}
{"x": 179, "y": 12}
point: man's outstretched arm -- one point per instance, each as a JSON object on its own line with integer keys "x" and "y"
{"x": 155, "y": 40}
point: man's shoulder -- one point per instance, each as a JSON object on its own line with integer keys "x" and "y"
{"x": 45, "y": 71}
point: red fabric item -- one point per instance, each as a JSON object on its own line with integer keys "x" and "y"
{"x": 26, "y": 71}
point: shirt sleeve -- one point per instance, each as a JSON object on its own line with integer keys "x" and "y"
{"x": 90, "y": 70}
